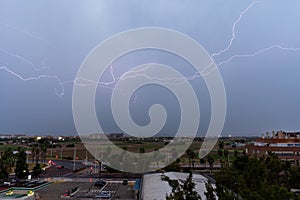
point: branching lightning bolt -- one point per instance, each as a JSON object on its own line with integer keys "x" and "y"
{"x": 136, "y": 73}
{"x": 36, "y": 78}
{"x": 233, "y": 30}
{"x": 22, "y": 59}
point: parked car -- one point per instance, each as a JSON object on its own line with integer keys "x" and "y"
{"x": 125, "y": 182}
{"x": 103, "y": 195}
{"x": 66, "y": 193}
{"x": 100, "y": 183}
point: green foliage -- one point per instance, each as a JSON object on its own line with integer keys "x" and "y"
{"x": 226, "y": 152}
{"x": 210, "y": 160}
{"x": 142, "y": 150}
{"x": 43, "y": 152}
{"x": 70, "y": 145}
{"x": 191, "y": 155}
{"x": 173, "y": 167}
{"x": 220, "y": 152}
{"x": 6, "y": 163}
{"x": 202, "y": 161}
{"x": 265, "y": 178}
{"x": 221, "y": 145}
{"x": 209, "y": 191}
{"x": 37, "y": 170}
{"x": 182, "y": 189}
{"x": 21, "y": 169}
{"x": 294, "y": 178}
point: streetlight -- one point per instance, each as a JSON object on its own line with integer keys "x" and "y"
{"x": 24, "y": 172}
{"x": 61, "y": 146}
{"x": 74, "y": 157}
{"x": 51, "y": 148}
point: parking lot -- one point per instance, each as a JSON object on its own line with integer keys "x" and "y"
{"x": 87, "y": 190}
{"x": 55, "y": 190}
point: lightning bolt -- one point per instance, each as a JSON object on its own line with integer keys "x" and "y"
{"x": 258, "y": 52}
{"x": 136, "y": 73}
{"x": 22, "y": 59}
{"x": 27, "y": 33}
{"x": 233, "y": 30}
{"x": 28, "y": 62}
{"x": 36, "y": 78}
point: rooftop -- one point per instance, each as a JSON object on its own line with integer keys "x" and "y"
{"x": 153, "y": 188}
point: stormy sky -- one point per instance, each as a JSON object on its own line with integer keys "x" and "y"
{"x": 43, "y": 44}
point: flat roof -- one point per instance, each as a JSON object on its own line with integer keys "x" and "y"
{"x": 153, "y": 188}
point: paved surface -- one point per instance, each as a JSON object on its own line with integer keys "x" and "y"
{"x": 54, "y": 172}
{"x": 55, "y": 190}
{"x": 124, "y": 192}
{"x": 87, "y": 191}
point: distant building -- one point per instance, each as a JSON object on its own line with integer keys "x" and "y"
{"x": 285, "y": 145}
{"x": 5, "y": 136}
{"x": 115, "y": 136}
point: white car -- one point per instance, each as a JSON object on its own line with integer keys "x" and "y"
{"x": 103, "y": 195}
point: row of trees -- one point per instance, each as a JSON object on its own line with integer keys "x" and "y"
{"x": 257, "y": 178}
{"x": 39, "y": 153}
{"x": 185, "y": 189}
{"x": 10, "y": 162}
{"x": 244, "y": 178}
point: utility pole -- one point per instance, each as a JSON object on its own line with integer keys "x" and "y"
{"x": 100, "y": 169}
{"x": 51, "y": 148}
{"x": 61, "y": 147}
{"x": 100, "y": 161}
{"x": 95, "y": 159}
{"x": 85, "y": 155}
{"x": 74, "y": 157}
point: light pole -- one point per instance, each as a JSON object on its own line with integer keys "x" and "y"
{"x": 51, "y": 148}
{"x": 61, "y": 147}
{"x": 95, "y": 159}
{"x": 74, "y": 157}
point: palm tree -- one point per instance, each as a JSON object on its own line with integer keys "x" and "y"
{"x": 226, "y": 154}
{"x": 211, "y": 161}
{"x": 37, "y": 154}
{"x": 7, "y": 163}
{"x": 203, "y": 161}
{"x": 44, "y": 152}
{"x": 191, "y": 154}
{"x": 221, "y": 144}
{"x": 33, "y": 150}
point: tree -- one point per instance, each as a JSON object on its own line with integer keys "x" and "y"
{"x": 191, "y": 155}
{"x": 3, "y": 173}
{"x": 7, "y": 163}
{"x": 21, "y": 165}
{"x": 226, "y": 154}
{"x": 211, "y": 161}
{"x": 37, "y": 170}
{"x": 209, "y": 191}
{"x": 142, "y": 150}
{"x": 220, "y": 152}
{"x": 203, "y": 161}
{"x": 182, "y": 189}
{"x": 33, "y": 153}
{"x": 259, "y": 179}
{"x": 173, "y": 167}
{"x": 43, "y": 152}
{"x": 37, "y": 154}
{"x": 221, "y": 144}
{"x": 236, "y": 153}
